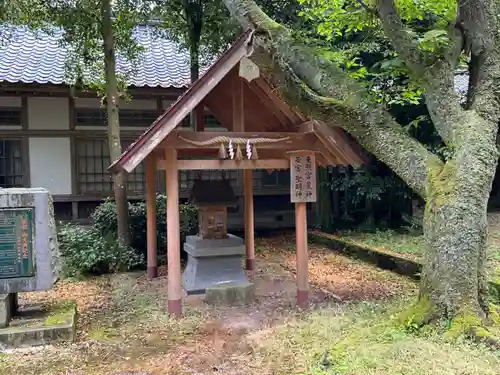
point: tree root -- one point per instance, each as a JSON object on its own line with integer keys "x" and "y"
{"x": 478, "y": 336}
{"x": 467, "y": 324}
{"x": 418, "y": 315}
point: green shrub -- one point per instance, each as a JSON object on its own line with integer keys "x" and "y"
{"x": 94, "y": 249}
{"x": 104, "y": 220}
{"x": 86, "y": 251}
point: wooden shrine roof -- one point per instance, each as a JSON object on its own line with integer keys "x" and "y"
{"x": 212, "y": 193}
{"x": 263, "y": 112}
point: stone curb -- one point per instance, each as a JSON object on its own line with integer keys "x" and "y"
{"x": 391, "y": 262}
{"x": 19, "y": 337}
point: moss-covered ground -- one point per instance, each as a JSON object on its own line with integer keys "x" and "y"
{"x": 350, "y": 328}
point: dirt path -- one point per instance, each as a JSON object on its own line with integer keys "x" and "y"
{"x": 123, "y": 325}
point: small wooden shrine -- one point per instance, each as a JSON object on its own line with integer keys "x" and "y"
{"x": 263, "y": 133}
{"x": 212, "y": 197}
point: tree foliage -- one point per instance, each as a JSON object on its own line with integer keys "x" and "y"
{"x": 216, "y": 28}
{"x": 81, "y": 25}
{"x": 205, "y": 27}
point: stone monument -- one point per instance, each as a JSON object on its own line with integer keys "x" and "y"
{"x": 29, "y": 256}
{"x": 29, "y": 253}
{"x": 214, "y": 256}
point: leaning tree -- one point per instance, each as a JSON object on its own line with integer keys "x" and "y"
{"x": 455, "y": 188}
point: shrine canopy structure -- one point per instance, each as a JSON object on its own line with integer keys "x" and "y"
{"x": 263, "y": 133}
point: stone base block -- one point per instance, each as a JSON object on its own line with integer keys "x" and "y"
{"x": 212, "y": 262}
{"x": 35, "y": 326}
{"x": 8, "y": 307}
{"x": 230, "y": 294}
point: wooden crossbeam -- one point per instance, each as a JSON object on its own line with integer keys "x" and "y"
{"x": 295, "y": 140}
{"x": 228, "y": 164}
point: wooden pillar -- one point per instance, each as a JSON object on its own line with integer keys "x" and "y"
{"x": 238, "y": 105}
{"x": 173, "y": 233}
{"x": 152, "y": 268}
{"x": 249, "y": 220}
{"x": 200, "y": 117}
{"x": 302, "y": 261}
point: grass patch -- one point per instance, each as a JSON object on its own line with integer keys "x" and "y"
{"x": 389, "y": 241}
{"x": 363, "y": 340}
{"x": 60, "y": 313}
{"x": 412, "y": 246}
{"x": 104, "y": 334}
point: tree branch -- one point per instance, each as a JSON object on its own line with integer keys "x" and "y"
{"x": 400, "y": 36}
{"x": 442, "y": 101}
{"x": 370, "y": 124}
{"x": 322, "y": 90}
{"x": 438, "y": 79}
{"x": 480, "y": 26}
{"x": 366, "y": 7}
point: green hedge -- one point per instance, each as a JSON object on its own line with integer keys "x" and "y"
{"x": 95, "y": 249}
{"x": 86, "y": 251}
{"x": 104, "y": 218}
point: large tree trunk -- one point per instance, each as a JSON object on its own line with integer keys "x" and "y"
{"x": 193, "y": 11}
{"x": 112, "y": 99}
{"x": 455, "y": 226}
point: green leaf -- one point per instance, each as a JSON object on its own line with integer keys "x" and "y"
{"x": 433, "y": 34}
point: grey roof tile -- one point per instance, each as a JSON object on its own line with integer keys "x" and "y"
{"x": 39, "y": 57}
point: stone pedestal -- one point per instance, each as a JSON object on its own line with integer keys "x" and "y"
{"x": 213, "y": 261}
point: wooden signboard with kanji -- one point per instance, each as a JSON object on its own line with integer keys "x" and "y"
{"x": 303, "y": 178}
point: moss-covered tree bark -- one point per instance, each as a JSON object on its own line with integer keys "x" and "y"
{"x": 455, "y": 227}
{"x": 456, "y": 191}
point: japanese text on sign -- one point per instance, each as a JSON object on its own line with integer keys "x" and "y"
{"x": 16, "y": 246}
{"x": 303, "y": 178}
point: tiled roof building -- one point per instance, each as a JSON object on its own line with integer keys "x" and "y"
{"x": 29, "y": 57}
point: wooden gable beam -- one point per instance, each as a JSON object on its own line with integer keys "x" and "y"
{"x": 337, "y": 141}
{"x": 306, "y": 127}
{"x": 265, "y": 101}
{"x": 238, "y": 123}
{"x": 273, "y": 97}
{"x": 328, "y": 157}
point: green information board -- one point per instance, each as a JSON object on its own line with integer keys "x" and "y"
{"x": 16, "y": 243}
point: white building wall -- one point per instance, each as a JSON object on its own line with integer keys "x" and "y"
{"x": 48, "y": 113}
{"x": 50, "y": 164}
{"x": 10, "y": 101}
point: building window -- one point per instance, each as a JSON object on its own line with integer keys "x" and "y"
{"x": 128, "y": 117}
{"x": 187, "y": 178}
{"x": 276, "y": 178}
{"x": 143, "y": 118}
{"x": 10, "y": 116}
{"x": 211, "y": 121}
{"x": 11, "y": 166}
{"x": 92, "y": 162}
